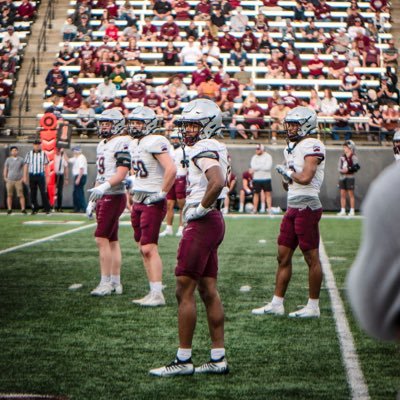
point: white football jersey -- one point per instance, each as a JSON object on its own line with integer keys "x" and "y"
{"x": 295, "y": 160}
{"x": 107, "y": 153}
{"x": 177, "y": 154}
{"x": 149, "y": 172}
{"x": 196, "y": 178}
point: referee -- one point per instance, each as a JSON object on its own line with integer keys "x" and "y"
{"x": 36, "y": 163}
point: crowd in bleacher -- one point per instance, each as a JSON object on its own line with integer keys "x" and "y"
{"x": 16, "y": 18}
{"x": 256, "y": 59}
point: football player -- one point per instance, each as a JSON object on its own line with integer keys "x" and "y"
{"x": 178, "y": 191}
{"x": 108, "y": 197}
{"x": 396, "y": 145}
{"x": 302, "y": 176}
{"x": 197, "y": 259}
{"x": 155, "y": 173}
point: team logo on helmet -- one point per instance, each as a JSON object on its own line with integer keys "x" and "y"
{"x": 299, "y": 122}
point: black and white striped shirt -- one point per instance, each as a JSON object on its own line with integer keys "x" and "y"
{"x": 37, "y": 162}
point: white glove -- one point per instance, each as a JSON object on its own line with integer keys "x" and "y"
{"x": 195, "y": 213}
{"x": 97, "y": 192}
{"x": 90, "y": 208}
{"x": 286, "y": 173}
{"x": 129, "y": 183}
{"x": 155, "y": 198}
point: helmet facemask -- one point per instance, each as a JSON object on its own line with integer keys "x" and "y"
{"x": 136, "y": 128}
{"x": 191, "y": 127}
{"x": 293, "y": 130}
{"x": 396, "y": 149}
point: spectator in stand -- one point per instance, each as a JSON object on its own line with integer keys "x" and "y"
{"x": 169, "y": 30}
{"x": 217, "y": 17}
{"x": 72, "y": 101}
{"x": 371, "y": 54}
{"x": 119, "y": 105}
{"x": 292, "y": 66}
{"x": 127, "y": 13}
{"x": 202, "y": 11}
{"x": 310, "y": 32}
{"x": 316, "y": 66}
{"x": 391, "y": 55}
{"x": 7, "y": 18}
{"x": 322, "y": 10}
{"x": 298, "y": 11}
{"x": 162, "y": 9}
{"x": 5, "y": 92}
{"x": 249, "y": 41}
{"x": 355, "y": 108}
{"x": 244, "y": 78}
{"x": 392, "y": 79}
{"x": 246, "y": 192}
{"x": 83, "y": 28}
{"x": 261, "y": 23}
{"x": 208, "y": 89}
{"x": 86, "y": 122}
{"x": 87, "y": 51}
{"x": 336, "y": 67}
{"x": 136, "y": 90}
{"x": 273, "y": 100}
{"x": 227, "y": 112}
{"x": 106, "y": 90}
{"x": 211, "y": 53}
{"x": 95, "y": 102}
{"x": 76, "y": 85}
{"x": 379, "y": 6}
{"x": 132, "y": 53}
{"x": 153, "y": 101}
{"x": 170, "y": 55}
{"x": 341, "y": 123}
{"x": 58, "y": 88}
{"x": 278, "y": 114}
{"x": 270, "y": 5}
{"x": 385, "y": 94}
{"x": 253, "y": 116}
{"x": 130, "y": 32}
{"x": 315, "y": 101}
{"x": 350, "y": 81}
{"x": 261, "y": 165}
{"x": 375, "y": 124}
{"x": 112, "y": 30}
{"x": 53, "y": 74}
{"x": 290, "y": 99}
{"x": 370, "y": 100}
{"x": 348, "y": 166}
{"x": 172, "y": 103}
{"x": 7, "y": 66}
{"x": 226, "y": 42}
{"x": 199, "y": 75}
{"x": 230, "y": 89}
{"x": 66, "y": 56}
{"x": 181, "y": 88}
{"x": 25, "y": 11}
{"x": 119, "y": 76}
{"x": 12, "y": 37}
{"x": 69, "y": 30}
{"x": 274, "y": 66}
{"x": 341, "y": 42}
{"x": 191, "y": 30}
{"x": 112, "y": 9}
{"x": 237, "y": 54}
{"x": 355, "y": 21}
{"x": 181, "y": 9}
{"x": 266, "y": 44}
{"x": 149, "y": 31}
{"x": 329, "y": 104}
{"x": 87, "y": 68}
{"x": 190, "y": 53}
{"x": 239, "y": 22}
{"x": 391, "y": 118}
{"x": 362, "y": 41}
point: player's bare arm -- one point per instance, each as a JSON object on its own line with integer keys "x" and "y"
{"x": 168, "y": 164}
{"x": 310, "y": 168}
{"x": 216, "y": 183}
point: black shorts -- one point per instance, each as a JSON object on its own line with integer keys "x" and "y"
{"x": 264, "y": 185}
{"x": 347, "y": 183}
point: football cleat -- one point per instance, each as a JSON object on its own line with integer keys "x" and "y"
{"x": 341, "y": 214}
{"x": 269, "y": 308}
{"x": 104, "y": 289}
{"x": 219, "y": 367}
{"x": 305, "y": 312}
{"x": 140, "y": 301}
{"x": 154, "y": 300}
{"x": 166, "y": 232}
{"x": 117, "y": 288}
{"x": 351, "y": 214}
{"x": 177, "y": 367}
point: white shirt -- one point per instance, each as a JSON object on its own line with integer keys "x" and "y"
{"x": 149, "y": 172}
{"x": 261, "y": 165}
{"x": 190, "y": 54}
{"x": 197, "y": 180}
{"x": 107, "y": 154}
{"x": 295, "y": 160}
{"x": 106, "y": 91}
{"x": 78, "y": 163}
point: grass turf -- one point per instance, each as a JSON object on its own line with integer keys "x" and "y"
{"x": 61, "y": 342}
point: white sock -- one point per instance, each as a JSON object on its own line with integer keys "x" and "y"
{"x": 116, "y": 279}
{"x": 241, "y": 207}
{"x": 156, "y": 287}
{"x": 277, "y": 301}
{"x": 104, "y": 279}
{"x": 169, "y": 228}
{"x": 342, "y": 210}
{"x": 352, "y": 210}
{"x": 183, "y": 354}
{"x": 217, "y": 354}
{"x": 262, "y": 209}
{"x": 313, "y": 303}
{"x": 180, "y": 229}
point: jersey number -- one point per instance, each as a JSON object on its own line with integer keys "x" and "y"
{"x": 140, "y": 169}
{"x": 100, "y": 165}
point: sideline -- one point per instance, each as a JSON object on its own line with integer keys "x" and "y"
{"x": 45, "y": 239}
{"x": 355, "y": 377}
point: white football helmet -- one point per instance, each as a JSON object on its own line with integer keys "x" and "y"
{"x": 204, "y": 113}
{"x": 299, "y": 122}
{"x": 147, "y": 116}
{"x": 396, "y": 144}
{"x": 117, "y": 123}
{"x": 351, "y": 145}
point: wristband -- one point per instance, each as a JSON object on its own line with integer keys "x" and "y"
{"x": 105, "y": 186}
{"x": 201, "y": 210}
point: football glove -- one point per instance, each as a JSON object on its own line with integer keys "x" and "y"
{"x": 97, "y": 192}
{"x": 286, "y": 173}
{"x": 129, "y": 183}
{"x": 195, "y": 213}
{"x": 90, "y": 209}
{"x": 155, "y": 198}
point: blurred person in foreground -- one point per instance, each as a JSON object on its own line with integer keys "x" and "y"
{"x": 302, "y": 176}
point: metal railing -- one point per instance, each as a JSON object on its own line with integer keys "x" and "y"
{"x": 23, "y": 102}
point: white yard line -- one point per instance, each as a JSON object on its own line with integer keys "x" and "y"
{"x": 45, "y": 239}
{"x": 355, "y": 377}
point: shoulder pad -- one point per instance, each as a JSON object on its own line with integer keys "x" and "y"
{"x": 207, "y": 154}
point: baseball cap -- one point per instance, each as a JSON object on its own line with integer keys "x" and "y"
{"x": 335, "y": 54}
{"x": 260, "y": 147}
{"x": 37, "y": 141}
{"x": 76, "y": 149}
{"x": 341, "y": 105}
{"x": 10, "y": 28}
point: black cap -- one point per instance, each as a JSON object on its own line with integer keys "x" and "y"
{"x": 37, "y": 141}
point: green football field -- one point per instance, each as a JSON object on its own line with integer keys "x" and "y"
{"x": 57, "y": 341}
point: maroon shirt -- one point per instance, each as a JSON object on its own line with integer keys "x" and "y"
{"x": 315, "y": 72}
{"x": 246, "y": 175}
{"x": 4, "y": 89}
{"x": 169, "y": 31}
{"x": 203, "y": 8}
{"x": 232, "y": 88}
{"x": 149, "y": 30}
{"x": 249, "y": 42}
{"x": 226, "y": 42}
{"x": 290, "y": 101}
{"x": 200, "y": 76}
{"x": 292, "y": 66}
{"x": 355, "y": 106}
{"x": 26, "y": 10}
{"x": 136, "y": 90}
{"x": 254, "y": 120}
{"x": 337, "y": 65}
{"x": 73, "y": 102}
{"x": 152, "y": 100}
